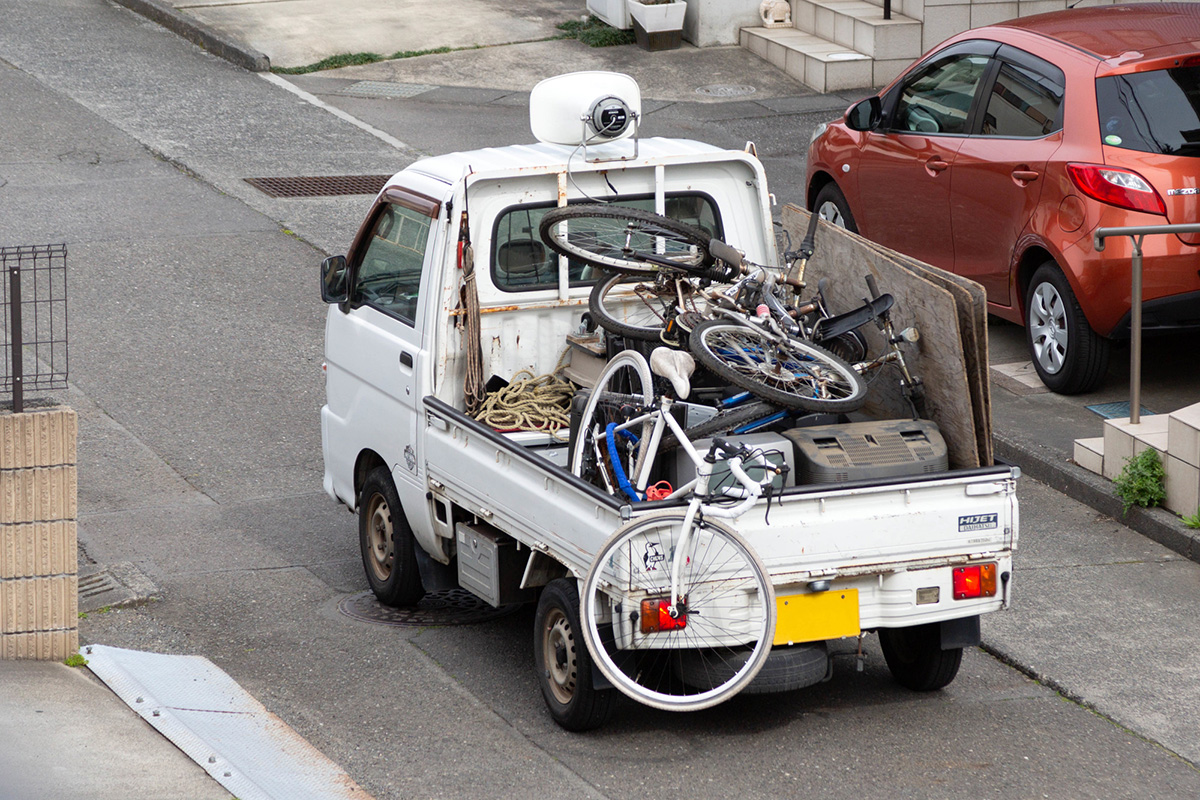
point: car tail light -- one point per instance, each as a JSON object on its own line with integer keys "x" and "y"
{"x": 656, "y": 616}
{"x": 1117, "y": 187}
{"x": 978, "y": 580}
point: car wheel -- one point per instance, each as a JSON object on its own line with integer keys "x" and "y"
{"x": 916, "y": 658}
{"x": 563, "y": 663}
{"x": 832, "y": 207}
{"x": 388, "y": 549}
{"x": 1068, "y": 355}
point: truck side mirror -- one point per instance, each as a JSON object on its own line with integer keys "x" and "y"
{"x": 865, "y": 115}
{"x": 333, "y": 280}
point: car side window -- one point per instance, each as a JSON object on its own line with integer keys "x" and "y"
{"x": 938, "y": 99}
{"x": 1023, "y": 103}
{"x": 389, "y": 274}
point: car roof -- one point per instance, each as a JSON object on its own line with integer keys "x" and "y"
{"x": 1143, "y": 30}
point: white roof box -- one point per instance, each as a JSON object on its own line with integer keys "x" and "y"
{"x": 585, "y": 108}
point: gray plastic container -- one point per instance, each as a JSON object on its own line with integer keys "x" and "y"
{"x": 871, "y": 450}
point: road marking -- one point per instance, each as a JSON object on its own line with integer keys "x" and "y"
{"x": 337, "y": 112}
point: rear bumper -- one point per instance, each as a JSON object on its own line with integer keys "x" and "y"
{"x": 1164, "y": 315}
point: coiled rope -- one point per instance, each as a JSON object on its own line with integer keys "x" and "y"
{"x": 530, "y": 403}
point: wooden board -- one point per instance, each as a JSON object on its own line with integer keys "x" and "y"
{"x": 947, "y": 310}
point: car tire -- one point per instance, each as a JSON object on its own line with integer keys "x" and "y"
{"x": 916, "y": 659}
{"x": 831, "y": 205}
{"x": 563, "y": 663}
{"x": 386, "y": 541}
{"x": 1068, "y": 355}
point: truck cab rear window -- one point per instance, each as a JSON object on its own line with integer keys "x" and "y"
{"x": 521, "y": 262}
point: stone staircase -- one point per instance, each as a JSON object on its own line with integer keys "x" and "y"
{"x": 847, "y": 44}
{"x": 1176, "y": 437}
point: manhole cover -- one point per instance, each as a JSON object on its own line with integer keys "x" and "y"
{"x": 726, "y": 90}
{"x": 451, "y": 607}
{"x": 322, "y": 186}
{"x": 385, "y": 89}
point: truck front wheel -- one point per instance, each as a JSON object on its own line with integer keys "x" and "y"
{"x": 387, "y": 544}
{"x": 916, "y": 658}
{"x": 564, "y": 666}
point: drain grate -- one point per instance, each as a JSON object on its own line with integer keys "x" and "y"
{"x": 385, "y": 89}
{"x": 323, "y": 186}
{"x": 1116, "y": 410}
{"x": 726, "y": 90}
{"x": 451, "y": 607}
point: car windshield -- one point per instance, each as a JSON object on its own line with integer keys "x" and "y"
{"x": 1155, "y": 112}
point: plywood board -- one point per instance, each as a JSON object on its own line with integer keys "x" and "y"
{"x": 941, "y": 309}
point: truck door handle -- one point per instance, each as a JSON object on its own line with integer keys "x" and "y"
{"x": 405, "y": 359}
{"x": 1024, "y": 176}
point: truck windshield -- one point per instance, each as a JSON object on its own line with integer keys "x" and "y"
{"x": 522, "y": 263}
{"x": 1154, "y": 112}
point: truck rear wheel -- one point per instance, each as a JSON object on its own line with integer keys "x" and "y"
{"x": 916, "y": 658}
{"x": 564, "y": 666}
{"x": 386, "y": 540}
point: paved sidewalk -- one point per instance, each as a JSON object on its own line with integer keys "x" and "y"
{"x": 67, "y": 736}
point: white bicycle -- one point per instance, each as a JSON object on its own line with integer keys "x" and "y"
{"x": 677, "y": 610}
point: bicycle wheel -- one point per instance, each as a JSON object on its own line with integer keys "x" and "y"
{"x": 624, "y": 386}
{"x": 707, "y": 654}
{"x": 790, "y": 372}
{"x": 621, "y": 239}
{"x": 644, "y": 310}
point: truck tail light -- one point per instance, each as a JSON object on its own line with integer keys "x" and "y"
{"x": 977, "y": 580}
{"x": 1123, "y": 188}
{"x": 656, "y": 616}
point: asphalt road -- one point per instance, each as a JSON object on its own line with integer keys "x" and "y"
{"x": 195, "y": 361}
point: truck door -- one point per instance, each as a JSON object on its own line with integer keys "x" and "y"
{"x": 381, "y": 341}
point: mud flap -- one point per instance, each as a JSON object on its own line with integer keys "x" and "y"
{"x": 962, "y": 632}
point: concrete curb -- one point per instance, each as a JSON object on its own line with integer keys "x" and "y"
{"x": 1095, "y": 491}
{"x": 199, "y": 34}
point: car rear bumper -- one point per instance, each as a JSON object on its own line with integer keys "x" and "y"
{"x": 1164, "y": 315}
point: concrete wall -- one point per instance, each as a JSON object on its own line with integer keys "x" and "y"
{"x": 714, "y": 22}
{"x": 38, "y": 557}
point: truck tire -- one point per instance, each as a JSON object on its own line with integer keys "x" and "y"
{"x": 386, "y": 541}
{"x": 916, "y": 658}
{"x": 564, "y": 665}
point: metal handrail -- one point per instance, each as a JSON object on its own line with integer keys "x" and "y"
{"x": 1136, "y": 233}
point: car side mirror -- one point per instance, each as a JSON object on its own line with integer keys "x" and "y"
{"x": 334, "y": 287}
{"x": 865, "y": 115}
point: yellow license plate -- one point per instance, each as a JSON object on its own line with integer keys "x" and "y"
{"x": 816, "y": 616}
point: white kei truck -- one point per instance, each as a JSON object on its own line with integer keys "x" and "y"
{"x": 449, "y": 259}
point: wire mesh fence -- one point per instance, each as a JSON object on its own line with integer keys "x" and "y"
{"x": 33, "y": 321}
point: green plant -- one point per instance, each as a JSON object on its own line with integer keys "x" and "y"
{"x": 594, "y": 33}
{"x": 1141, "y": 480}
{"x": 75, "y": 660}
{"x": 333, "y": 62}
{"x": 1194, "y": 520}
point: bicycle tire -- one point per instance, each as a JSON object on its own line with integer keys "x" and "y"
{"x": 634, "y": 316}
{"x": 792, "y": 372}
{"x": 589, "y": 453}
{"x": 729, "y": 623}
{"x": 626, "y": 240}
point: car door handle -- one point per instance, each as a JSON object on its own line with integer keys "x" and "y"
{"x": 405, "y": 359}
{"x": 1025, "y": 175}
{"x": 936, "y": 165}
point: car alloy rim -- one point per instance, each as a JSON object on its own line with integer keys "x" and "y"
{"x": 1048, "y": 328}
{"x": 831, "y": 213}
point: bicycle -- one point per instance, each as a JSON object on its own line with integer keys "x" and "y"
{"x": 767, "y": 352}
{"x": 677, "y": 610}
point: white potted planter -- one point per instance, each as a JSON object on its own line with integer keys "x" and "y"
{"x": 658, "y": 24}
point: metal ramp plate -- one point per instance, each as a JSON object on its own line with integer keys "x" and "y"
{"x": 207, "y": 715}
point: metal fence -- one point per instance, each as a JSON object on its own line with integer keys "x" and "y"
{"x": 33, "y": 321}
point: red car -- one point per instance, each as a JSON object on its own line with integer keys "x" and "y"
{"x": 999, "y": 153}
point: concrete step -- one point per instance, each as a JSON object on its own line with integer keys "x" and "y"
{"x": 1176, "y": 437}
{"x": 816, "y": 62}
{"x": 860, "y": 25}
